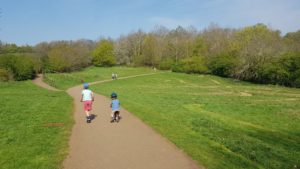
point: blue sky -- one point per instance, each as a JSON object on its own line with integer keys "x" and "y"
{"x": 33, "y": 21}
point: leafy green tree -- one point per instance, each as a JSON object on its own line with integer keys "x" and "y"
{"x": 295, "y": 36}
{"x": 103, "y": 54}
{"x": 292, "y": 40}
{"x": 200, "y": 47}
{"x": 59, "y": 57}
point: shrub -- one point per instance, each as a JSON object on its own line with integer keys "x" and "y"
{"x": 273, "y": 73}
{"x": 222, "y": 65}
{"x": 166, "y": 64}
{"x": 21, "y": 66}
{"x": 5, "y": 75}
{"x": 290, "y": 62}
{"x": 193, "y": 64}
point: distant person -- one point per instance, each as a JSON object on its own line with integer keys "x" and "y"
{"x": 115, "y": 108}
{"x": 113, "y": 76}
{"x": 116, "y": 76}
{"x": 87, "y": 97}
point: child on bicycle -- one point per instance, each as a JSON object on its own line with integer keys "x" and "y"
{"x": 115, "y": 106}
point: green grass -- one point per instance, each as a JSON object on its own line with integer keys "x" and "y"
{"x": 219, "y": 122}
{"x": 35, "y": 125}
{"x": 91, "y": 74}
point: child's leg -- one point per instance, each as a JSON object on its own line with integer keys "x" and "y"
{"x": 112, "y": 114}
{"x": 87, "y": 113}
{"x": 117, "y": 114}
{"x": 87, "y": 108}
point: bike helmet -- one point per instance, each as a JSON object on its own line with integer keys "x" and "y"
{"x": 114, "y": 95}
{"x": 85, "y": 85}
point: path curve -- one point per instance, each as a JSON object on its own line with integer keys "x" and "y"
{"x": 129, "y": 144}
{"x": 39, "y": 82}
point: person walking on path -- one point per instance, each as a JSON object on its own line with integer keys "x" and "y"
{"x": 87, "y": 97}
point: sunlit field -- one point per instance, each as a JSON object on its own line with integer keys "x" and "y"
{"x": 221, "y": 123}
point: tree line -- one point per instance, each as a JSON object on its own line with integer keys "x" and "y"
{"x": 255, "y": 53}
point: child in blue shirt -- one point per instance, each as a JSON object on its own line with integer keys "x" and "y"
{"x": 115, "y": 107}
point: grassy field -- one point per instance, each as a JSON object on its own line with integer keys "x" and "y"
{"x": 91, "y": 74}
{"x": 34, "y": 126}
{"x": 219, "y": 122}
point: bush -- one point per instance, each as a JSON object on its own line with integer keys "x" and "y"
{"x": 194, "y": 64}
{"x": 273, "y": 73}
{"x": 283, "y": 71}
{"x": 21, "y": 66}
{"x": 166, "y": 64}
{"x": 222, "y": 65}
{"x": 5, "y": 75}
{"x": 290, "y": 62}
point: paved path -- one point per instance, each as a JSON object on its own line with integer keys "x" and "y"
{"x": 129, "y": 144}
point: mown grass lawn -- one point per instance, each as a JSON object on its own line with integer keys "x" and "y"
{"x": 91, "y": 74}
{"x": 219, "y": 122}
{"x": 35, "y": 125}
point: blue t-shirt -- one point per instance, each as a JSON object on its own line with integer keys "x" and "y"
{"x": 115, "y": 105}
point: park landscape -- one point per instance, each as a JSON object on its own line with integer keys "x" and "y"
{"x": 219, "y": 122}
{"x": 192, "y": 97}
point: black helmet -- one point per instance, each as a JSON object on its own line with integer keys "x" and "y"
{"x": 114, "y": 95}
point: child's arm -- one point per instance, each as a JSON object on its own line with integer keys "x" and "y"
{"x": 93, "y": 96}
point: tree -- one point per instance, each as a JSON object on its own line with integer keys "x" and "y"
{"x": 103, "y": 54}
{"x": 149, "y": 57}
{"x": 292, "y": 40}
{"x": 122, "y": 51}
{"x": 258, "y": 45}
{"x": 179, "y": 43}
{"x": 136, "y": 41}
{"x": 218, "y": 40}
{"x": 59, "y": 57}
